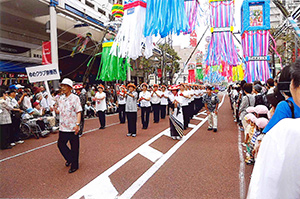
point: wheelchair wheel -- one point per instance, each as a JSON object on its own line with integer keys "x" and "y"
{"x": 26, "y": 130}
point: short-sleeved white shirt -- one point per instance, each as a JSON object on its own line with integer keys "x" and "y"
{"x": 163, "y": 100}
{"x": 121, "y": 99}
{"x": 146, "y": 95}
{"x": 68, "y": 108}
{"x": 183, "y": 100}
{"x": 100, "y": 104}
{"x": 155, "y": 99}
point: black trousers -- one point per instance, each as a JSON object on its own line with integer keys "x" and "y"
{"x": 15, "y": 128}
{"x": 156, "y": 108}
{"x": 185, "y": 111}
{"x": 122, "y": 117}
{"x": 145, "y": 116}
{"x": 5, "y": 135}
{"x": 101, "y": 115}
{"x": 70, "y": 155}
{"x": 81, "y": 123}
{"x": 163, "y": 111}
{"x": 132, "y": 119}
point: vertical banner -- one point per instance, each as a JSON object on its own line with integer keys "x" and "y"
{"x": 46, "y": 53}
{"x": 159, "y": 73}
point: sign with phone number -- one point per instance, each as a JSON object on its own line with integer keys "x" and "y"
{"x": 43, "y": 73}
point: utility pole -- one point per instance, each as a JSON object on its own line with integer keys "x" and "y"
{"x": 53, "y": 39}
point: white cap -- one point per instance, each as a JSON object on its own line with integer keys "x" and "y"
{"x": 19, "y": 86}
{"x": 67, "y": 81}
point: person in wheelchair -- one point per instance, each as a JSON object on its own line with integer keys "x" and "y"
{"x": 29, "y": 116}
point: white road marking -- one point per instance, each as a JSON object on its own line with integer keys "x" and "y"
{"x": 49, "y": 144}
{"x": 93, "y": 188}
{"x": 198, "y": 118}
{"x": 150, "y": 153}
{"x": 242, "y": 166}
{"x": 192, "y": 125}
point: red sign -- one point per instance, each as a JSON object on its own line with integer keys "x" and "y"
{"x": 46, "y": 53}
{"x": 159, "y": 72}
{"x": 193, "y": 39}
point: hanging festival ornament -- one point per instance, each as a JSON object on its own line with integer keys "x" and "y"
{"x": 81, "y": 43}
{"x": 221, "y": 50}
{"x": 117, "y": 10}
{"x": 85, "y": 42}
{"x": 255, "y": 39}
{"x": 165, "y": 17}
{"x": 111, "y": 67}
{"x": 130, "y": 40}
{"x": 194, "y": 13}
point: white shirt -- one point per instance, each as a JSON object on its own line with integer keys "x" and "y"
{"x": 146, "y": 95}
{"x": 121, "y": 99}
{"x": 27, "y": 102}
{"x": 44, "y": 103}
{"x": 183, "y": 100}
{"x": 155, "y": 99}
{"x": 100, "y": 104}
{"x": 191, "y": 93}
{"x": 197, "y": 92}
{"x": 171, "y": 97}
{"x": 164, "y": 101}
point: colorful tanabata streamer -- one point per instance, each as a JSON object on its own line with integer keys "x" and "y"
{"x": 193, "y": 12}
{"x": 221, "y": 50}
{"x": 111, "y": 67}
{"x": 130, "y": 40}
{"x": 165, "y": 17}
{"x": 237, "y": 73}
{"x": 81, "y": 43}
{"x": 256, "y": 43}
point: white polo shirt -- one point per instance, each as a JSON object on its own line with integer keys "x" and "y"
{"x": 146, "y": 95}
{"x": 164, "y": 100}
{"x": 100, "y": 104}
{"x": 155, "y": 99}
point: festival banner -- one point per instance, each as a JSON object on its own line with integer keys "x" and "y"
{"x": 46, "y": 53}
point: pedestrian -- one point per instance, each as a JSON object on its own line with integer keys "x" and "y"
{"x": 131, "y": 109}
{"x": 5, "y": 121}
{"x": 100, "y": 99}
{"x": 144, "y": 100}
{"x": 69, "y": 110}
{"x": 155, "y": 100}
{"x": 121, "y": 103}
{"x": 211, "y": 103}
{"x": 184, "y": 103}
{"x": 176, "y": 117}
{"x": 82, "y": 96}
{"x": 15, "y": 117}
{"x": 163, "y": 101}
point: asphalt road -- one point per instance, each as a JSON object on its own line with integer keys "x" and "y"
{"x": 202, "y": 165}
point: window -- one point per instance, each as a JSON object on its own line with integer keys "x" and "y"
{"x": 101, "y": 11}
{"x": 89, "y": 4}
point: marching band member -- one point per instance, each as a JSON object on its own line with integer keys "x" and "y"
{"x": 164, "y": 101}
{"x": 131, "y": 109}
{"x": 144, "y": 100}
{"x": 155, "y": 100}
{"x": 184, "y": 103}
{"x": 121, "y": 104}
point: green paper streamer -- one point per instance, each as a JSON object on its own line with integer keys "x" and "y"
{"x": 112, "y": 67}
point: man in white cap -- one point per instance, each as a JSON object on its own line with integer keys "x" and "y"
{"x": 69, "y": 110}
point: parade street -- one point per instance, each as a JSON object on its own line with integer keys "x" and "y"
{"x": 203, "y": 164}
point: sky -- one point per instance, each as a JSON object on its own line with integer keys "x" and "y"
{"x": 183, "y": 40}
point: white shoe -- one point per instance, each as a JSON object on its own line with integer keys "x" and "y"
{"x": 20, "y": 142}
{"x": 173, "y": 137}
{"x": 178, "y": 138}
{"x": 55, "y": 128}
{"x": 13, "y": 144}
